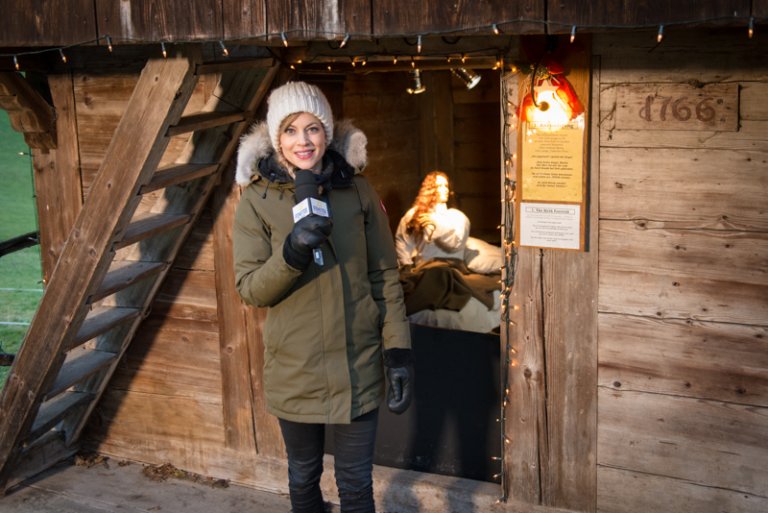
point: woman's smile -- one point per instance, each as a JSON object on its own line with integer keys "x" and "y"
{"x": 303, "y": 142}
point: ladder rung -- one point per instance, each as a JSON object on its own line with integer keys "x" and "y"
{"x": 51, "y": 412}
{"x": 100, "y": 320}
{"x": 78, "y": 368}
{"x": 234, "y": 65}
{"x": 150, "y": 225}
{"x": 205, "y": 120}
{"x": 174, "y": 175}
{"x": 122, "y": 274}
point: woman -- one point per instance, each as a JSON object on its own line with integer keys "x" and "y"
{"x": 335, "y": 305}
{"x": 429, "y": 229}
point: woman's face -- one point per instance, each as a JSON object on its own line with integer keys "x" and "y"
{"x": 303, "y": 142}
{"x": 441, "y": 184}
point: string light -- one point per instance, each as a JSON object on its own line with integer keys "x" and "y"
{"x": 224, "y": 50}
{"x": 63, "y": 57}
{"x": 344, "y": 41}
{"x": 16, "y": 63}
{"x": 163, "y": 50}
{"x": 418, "y": 44}
{"x": 394, "y": 59}
{"x": 494, "y": 27}
{"x": 573, "y": 33}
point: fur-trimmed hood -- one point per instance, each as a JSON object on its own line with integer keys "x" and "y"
{"x": 349, "y": 141}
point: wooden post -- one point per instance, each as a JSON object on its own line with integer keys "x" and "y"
{"x": 58, "y": 181}
{"x": 551, "y": 419}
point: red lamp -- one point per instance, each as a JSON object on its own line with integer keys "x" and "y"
{"x": 551, "y": 102}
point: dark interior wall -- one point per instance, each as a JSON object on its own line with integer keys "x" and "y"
{"x": 447, "y": 128}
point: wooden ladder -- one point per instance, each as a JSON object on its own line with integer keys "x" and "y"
{"x": 117, "y": 255}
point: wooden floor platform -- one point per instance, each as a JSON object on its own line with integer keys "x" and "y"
{"x": 111, "y": 486}
{"x": 104, "y": 485}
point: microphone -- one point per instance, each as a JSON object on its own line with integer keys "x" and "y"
{"x": 308, "y": 203}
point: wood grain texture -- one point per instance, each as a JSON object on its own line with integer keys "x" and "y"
{"x": 662, "y": 272}
{"x": 135, "y": 21}
{"x": 393, "y": 18}
{"x": 553, "y": 374}
{"x": 686, "y": 56}
{"x": 82, "y": 264}
{"x": 603, "y": 12}
{"x": 723, "y": 362}
{"x": 46, "y": 22}
{"x": 152, "y": 364}
{"x": 724, "y": 189}
{"x": 244, "y": 19}
{"x": 269, "y": 438}
{"x": 235, "y": 361}
{"x": 624, "y": 491}
{"x": 317, "y": 19}
{"x": 28, "y": 112}
{"x": 710, "y": 443}
{"x": 58, "y": 186}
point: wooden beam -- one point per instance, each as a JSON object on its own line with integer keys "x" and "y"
{"x": 58, "y": 181}
{"x": 28, "y": 112}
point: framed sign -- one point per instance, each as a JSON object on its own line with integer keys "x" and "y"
{"x": 552, "y": 184}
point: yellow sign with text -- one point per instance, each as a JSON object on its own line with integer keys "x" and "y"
{"x": 553, "y": 162}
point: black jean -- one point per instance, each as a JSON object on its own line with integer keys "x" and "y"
{"x": 353, "y": 461}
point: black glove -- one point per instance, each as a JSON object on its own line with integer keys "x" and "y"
{"x": 308, "y": 233}
{"x": 399, "y": 377}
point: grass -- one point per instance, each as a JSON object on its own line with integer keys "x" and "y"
{"x": 20, "y": 272}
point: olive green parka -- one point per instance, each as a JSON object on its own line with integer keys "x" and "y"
{"x": 327, "y": 326}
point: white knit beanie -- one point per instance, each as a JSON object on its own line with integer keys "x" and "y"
{"x": 294, "y": 97}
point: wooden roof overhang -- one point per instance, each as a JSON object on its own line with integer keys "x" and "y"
{"x": 35, "y": 34}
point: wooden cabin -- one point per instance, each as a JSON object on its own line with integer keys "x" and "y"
{"x": 629, "y": 373}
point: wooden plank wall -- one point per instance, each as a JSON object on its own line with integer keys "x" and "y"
{"x": 58, "y": 22}
{"x": 392, "y": 17}
{"x": 156, "y": 402}
{"x": 606, "y": 14}
{"x": 159, "y": 20}
{"x": 46, "y": 22}
{"x": 683, "y": 273}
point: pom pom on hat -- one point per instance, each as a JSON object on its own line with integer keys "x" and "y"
{"x": 294, "y": 97}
